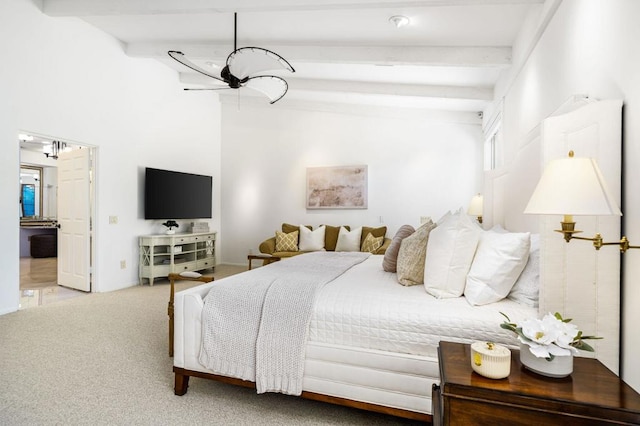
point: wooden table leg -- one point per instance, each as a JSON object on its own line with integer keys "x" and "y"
{"x": 171, "y": 314}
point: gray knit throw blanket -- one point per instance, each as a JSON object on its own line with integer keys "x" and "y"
{"x": 255, "y": 324}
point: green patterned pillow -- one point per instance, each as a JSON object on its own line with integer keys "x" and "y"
{"x": 287, "y": 242}
{"x": 371, "y": 243}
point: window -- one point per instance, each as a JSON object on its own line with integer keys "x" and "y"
{"x": 28, "y": 197}
{"x": 493, "y": 141}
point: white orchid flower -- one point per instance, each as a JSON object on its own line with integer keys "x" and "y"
{"x": 568, "y": 333}
{"x": 542, "y": 332}
{"x": 550, "y": 336}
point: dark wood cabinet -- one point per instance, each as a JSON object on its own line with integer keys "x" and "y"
{"x": 591, "y": 395}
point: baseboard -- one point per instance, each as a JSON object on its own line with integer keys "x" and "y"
{"x": 8, "y": 311}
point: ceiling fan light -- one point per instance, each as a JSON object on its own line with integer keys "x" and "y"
{"x": 241, "y": 67}
{"x": 399, "y": 21}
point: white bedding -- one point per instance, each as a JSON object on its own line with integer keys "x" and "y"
{"x": 254, "y": 326}
{"x": 366, "y": 308}
{"x": 370, "y": 338}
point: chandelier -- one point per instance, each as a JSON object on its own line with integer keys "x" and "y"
{"x": 52, "y": 150}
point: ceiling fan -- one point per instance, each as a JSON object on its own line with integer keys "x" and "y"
{"x": 242, "y": 68}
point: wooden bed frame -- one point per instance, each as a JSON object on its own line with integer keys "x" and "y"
{"x": 182, "y": 375}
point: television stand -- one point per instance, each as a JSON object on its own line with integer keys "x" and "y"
{"x": 161, "y": 255}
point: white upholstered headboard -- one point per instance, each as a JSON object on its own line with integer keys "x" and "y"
{"x": 575, "y": 279}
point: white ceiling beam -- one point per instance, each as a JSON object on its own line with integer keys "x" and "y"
{"x": 424, "y": 114}
{"x": 146, "y": 7}
{"x": 341, "y": 86}
{"x": 417, "y": 90}
{"x": 379, "y": 55}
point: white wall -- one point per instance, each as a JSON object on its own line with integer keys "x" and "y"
{"x": 420, "y": 163}
{"x": 590, "y": 47}
{"x": 63, "y": 78}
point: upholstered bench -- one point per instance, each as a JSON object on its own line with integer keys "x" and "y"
{"x": 44, "y": 245}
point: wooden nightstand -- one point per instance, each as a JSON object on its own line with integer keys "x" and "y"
{"x": 592, "y": 395}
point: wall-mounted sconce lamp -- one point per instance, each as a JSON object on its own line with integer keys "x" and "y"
{"x": 475, "y": 207}
{"x": 575, "y": 186}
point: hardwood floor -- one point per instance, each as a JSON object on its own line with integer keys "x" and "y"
{"x": 38, "y": 272}
{"x": 39, "y": 282}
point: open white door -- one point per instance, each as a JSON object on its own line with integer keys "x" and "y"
{"x": 74, "y": 219}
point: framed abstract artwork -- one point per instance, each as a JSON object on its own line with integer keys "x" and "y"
{"x": 341, "y": 187}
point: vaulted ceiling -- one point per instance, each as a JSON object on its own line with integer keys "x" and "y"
{"x": 448, "y": 57}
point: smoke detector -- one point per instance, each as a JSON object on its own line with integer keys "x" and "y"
{"x": 399, "y": 21}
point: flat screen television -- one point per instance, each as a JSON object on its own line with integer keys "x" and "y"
{"x": 177, "y": 195}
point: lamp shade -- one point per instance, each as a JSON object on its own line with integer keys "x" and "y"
{"x": 475, "y": 207}
{"x": 572, "y": 186}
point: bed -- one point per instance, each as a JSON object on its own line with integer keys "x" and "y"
{"x": 372, "y": 343}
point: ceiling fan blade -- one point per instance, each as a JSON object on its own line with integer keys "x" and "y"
{"x": 248, "y": 61}
{"x": 269, "y": 85}
{"x": 209, "y": 88}
{"x": 179, "y": 56}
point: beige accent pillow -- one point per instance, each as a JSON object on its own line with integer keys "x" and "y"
{"x": 287, "y": 241}
{"x": 411, "y": 256}
{"x": 371, "y": 243}
{"x": 390, "y": 260}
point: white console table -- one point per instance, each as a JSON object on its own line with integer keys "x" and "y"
{"x": 161, "y": 255}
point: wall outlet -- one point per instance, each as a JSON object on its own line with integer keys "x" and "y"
{"x": 113, "y": 220}
{"x": 123, "y": 264}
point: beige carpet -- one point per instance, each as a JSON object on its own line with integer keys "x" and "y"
{"x": 101, "y": 359}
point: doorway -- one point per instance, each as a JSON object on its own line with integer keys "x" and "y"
{"x": 44, "y": 206}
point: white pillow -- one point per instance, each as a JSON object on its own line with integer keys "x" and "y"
{"x": 349, "y": 240}
{"x": 311, "y": 240}
{"x": 527, "y": 287}
{"x": 450, "y": 251}
{"x": 499, "y": 261}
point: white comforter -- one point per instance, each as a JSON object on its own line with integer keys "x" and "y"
{"x": 367, "y": 308}
{"x": 254, "y": 325}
